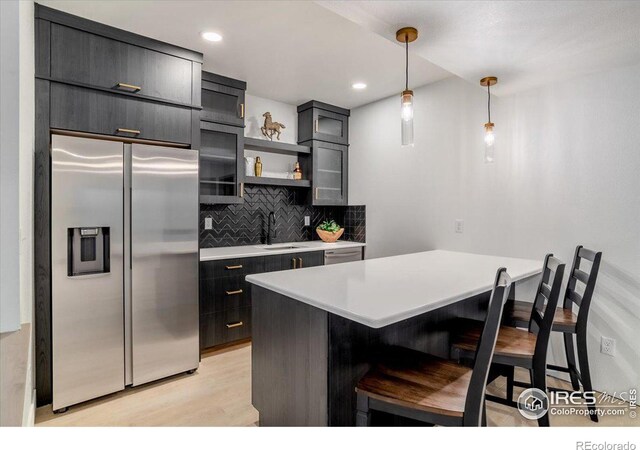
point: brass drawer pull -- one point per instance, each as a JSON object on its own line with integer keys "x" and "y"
{"x": 316, "y": 126}
{"x": 234, "y": 324}
{"x": 294, "y": 262}
{"x": 317, "y": 193}
{"x": 133, "y": 87}
{"x": 242, "y": 110}
{"x": 237, "y": 291}
{"x": 300, "y": 265}
{"x": 128, "y": 130}
{"x": 239, "y": 266}
{"x": 241, "y": 190}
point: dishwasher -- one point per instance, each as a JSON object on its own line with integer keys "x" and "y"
{"x": 342, "y": 255}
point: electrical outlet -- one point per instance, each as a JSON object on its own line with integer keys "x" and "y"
{"x": 608, "y": 346}
{"x": 458, "y": 225}
{"x": 307, "y": 221}
{"x": 208, "y": 223}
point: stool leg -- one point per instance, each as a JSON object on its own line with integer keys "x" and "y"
{"x": 363, "y": 414}
{"x": 539, "y": 380}
{"x": 484, "y": 413}
{"x": 571, "y": 360}
{"x": 585, "y": 374}
{"x": 510, "y": 380}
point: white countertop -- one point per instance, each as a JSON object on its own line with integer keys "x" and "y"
{"x": 379, "y": 292}
{"x": 246, "y": 251}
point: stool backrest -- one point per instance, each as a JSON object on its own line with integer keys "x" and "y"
{"x": 546, "y": 302}
{"x": 484, "y": 351}
{"x": 586, "y": 278}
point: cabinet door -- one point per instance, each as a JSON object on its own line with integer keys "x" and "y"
{"x": 329, "y": 178}
{"x": 222, "y": 104}
{"x": 79, "y": 109}
{"x": 221, "y": 163}
{"x": 310, "y": 259}
{"x": 86, "y": 58}
{"x": 330, "y": 127}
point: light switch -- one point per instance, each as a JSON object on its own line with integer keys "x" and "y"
{"x": 208, "y": 223}
{"x": 307, "y": 221}
{"x": 458, "y": 225}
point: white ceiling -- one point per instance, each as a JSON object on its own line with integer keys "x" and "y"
{"x": 524, "y": 43}
{"x": 291, "y": 51}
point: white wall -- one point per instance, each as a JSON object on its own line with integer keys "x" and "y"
{"x": 16, "y": 233}
{"x": 567, "y": 166}
{"x": 9, "y": 157}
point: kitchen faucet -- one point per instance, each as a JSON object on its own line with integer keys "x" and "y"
{"x": 271, "y": 220}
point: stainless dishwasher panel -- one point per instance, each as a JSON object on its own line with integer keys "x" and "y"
{"x": 164, "y": 273}
{"x": 87, "y": 308}
{"x": 342, "y": 255}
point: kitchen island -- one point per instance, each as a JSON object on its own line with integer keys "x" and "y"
{"x": 317, "y": 330}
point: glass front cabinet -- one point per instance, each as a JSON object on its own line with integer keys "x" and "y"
{"x": 221, "y": 156}
{"x": 329, "y": 173}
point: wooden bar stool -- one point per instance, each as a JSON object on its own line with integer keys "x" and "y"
{"x": 518, "y": 313}
{"x": 430, "y": 389}
{"x": 516, "y": 347}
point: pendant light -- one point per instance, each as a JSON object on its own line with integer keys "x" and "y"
{"x": 489, "y": 135}
{"x": 406, "y": 35}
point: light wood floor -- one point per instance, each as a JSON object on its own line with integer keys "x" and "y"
{"x": 219, "y": 394}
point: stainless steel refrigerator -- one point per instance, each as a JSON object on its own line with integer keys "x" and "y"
{"x": 124, "y": 248}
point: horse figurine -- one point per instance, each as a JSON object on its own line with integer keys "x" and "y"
{"x": 270, "y": 127}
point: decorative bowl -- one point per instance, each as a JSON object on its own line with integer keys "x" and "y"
{"x": 328, "y": 236}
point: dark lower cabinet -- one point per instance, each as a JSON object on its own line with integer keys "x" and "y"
{"x": 225, "y": 295}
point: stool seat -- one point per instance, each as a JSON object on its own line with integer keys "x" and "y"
{"x": 511, "y": 342}
{"x": 419, "y": 381}
{"x": 518, "y": 312}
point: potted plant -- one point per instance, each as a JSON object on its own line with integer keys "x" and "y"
{"x": 329, "y": 231}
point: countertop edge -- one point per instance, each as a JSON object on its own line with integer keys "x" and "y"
{"x": 379, "y": 323}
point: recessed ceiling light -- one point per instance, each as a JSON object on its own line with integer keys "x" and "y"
{"x": 359, "y": 85}
{"x": 211, "y": 36}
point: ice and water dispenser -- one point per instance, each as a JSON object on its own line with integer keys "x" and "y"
{"x": 88, "y": 250}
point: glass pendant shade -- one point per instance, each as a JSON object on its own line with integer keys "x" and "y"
{"x": 489, "y": 142}
{"x": 406, "y": 118}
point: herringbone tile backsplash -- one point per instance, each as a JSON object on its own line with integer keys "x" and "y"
{"x": 246, "y": 223}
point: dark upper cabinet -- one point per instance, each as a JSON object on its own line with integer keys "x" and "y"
{"x": 222, "y": 100}
{"x": 328, "y": 173}
{"x": 96, "y": 61}
{"x": 93, "y": 111}
{"x": 221, "y": 163}
{"x": 320, "y": 121}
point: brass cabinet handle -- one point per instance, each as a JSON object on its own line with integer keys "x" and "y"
{"x": 316, "y": 193}
{"x": 294, "y": 262}
{"x": 237, "y": 291}
{"x": 239, "y": 266}
{"x": 128, "y": 130}
{"x": 316, "y": 126}
{"x": 234, "y": 324}
{"x": 241, "y": 190}
{"x": 242, "y": 110}
{"x": 300, "y": 266}
{"x": 133, "y": 87}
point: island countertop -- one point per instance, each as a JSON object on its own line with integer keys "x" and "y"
{"x": 382, "y": 291}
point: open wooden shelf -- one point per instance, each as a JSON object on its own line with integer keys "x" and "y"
{"x": 282, "y": 148}
{"x": 277, "y": 182}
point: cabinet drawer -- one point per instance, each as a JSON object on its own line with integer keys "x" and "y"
{"x": 223, "y": 293}
{"x": 226, "y": 326}
{"x": 83, "y": 57}
{"x": 231, "y": 267}
{"x": 79, "y": 109}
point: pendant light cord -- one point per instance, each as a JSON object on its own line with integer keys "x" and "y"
{"x": 489, "y": 101}
{"x": 406, "y": 70}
